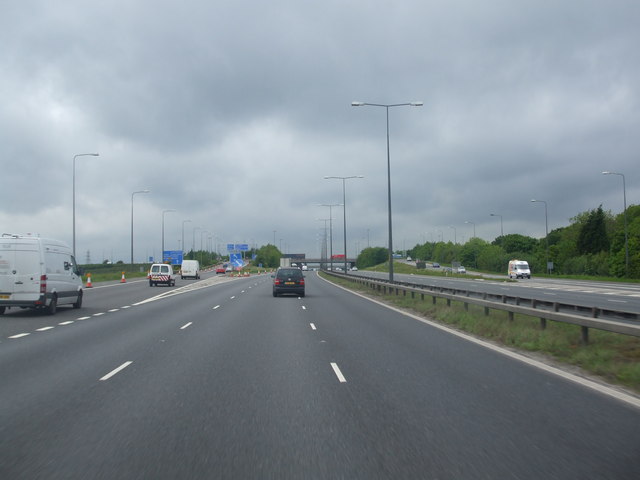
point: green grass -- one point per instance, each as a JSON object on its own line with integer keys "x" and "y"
{"x": 613, "y": 357}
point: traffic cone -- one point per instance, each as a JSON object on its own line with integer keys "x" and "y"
{"x": 89, "y": 281}
{"x": 123, "y": 279}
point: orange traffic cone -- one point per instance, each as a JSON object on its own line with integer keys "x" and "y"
{"x": 89, "y": 281}
{"x": 123, "y": 279}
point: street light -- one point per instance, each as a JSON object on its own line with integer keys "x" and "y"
{"x": 474, "y": 227}
{"x": 163, "y": 212}
{"x": 546, "y": 229}
{"x": 411, "y": 104}
{"x": 330, "y": 227}
{"x": 74, "y": 194}
{"x": 497, "y": 215}
{"x": 344, "y": 213}
{"x": 626, "y": 239}
{"x": 183, "y": 222}
{"x": 139, "y": 191}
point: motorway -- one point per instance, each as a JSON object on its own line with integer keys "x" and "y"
{"x": 217, "y": 379}
{"x": 604, "y": 295}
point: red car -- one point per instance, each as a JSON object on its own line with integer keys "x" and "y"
{"x": 219, "y": 270}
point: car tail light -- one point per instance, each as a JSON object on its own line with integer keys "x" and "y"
{"x": 302, "y": 281}
{"x": 277, "y": 281}
{"x": 43, "y": 284}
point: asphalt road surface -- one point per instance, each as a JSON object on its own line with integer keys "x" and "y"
{"x": 218, "y": 379}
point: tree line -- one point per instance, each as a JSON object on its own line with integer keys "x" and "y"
{"x": 593, "y": 244}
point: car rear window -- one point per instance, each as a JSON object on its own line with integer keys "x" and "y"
{"x": 292, "y": 272}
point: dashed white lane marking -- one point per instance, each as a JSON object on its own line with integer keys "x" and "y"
{"x": 185, "y": 325}
{"x": 338, "y": 373}
{"x": 20, "y": 335}
{"x": 113, "y": 310}
{"x": 303, "y": 307}
{"x": 233, "y": 297}
{"x": 68, "y": 322}
{"x": 313, "y": 326}
{"x": 216, "y": 307}
{"x": 126, "y": 306}
{"x": 44, "y": 329}
{"x": 113, "y": 372}
{"x": 98, "y": 314}
{"x": 617, "y": 301}
{"x": 83, "y": 318}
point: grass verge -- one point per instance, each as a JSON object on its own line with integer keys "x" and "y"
{"x": 612, "y": 357}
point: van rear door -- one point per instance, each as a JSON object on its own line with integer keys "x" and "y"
{"x": 27, "y": 268}
{"x": 7, "y": 261}
{"x": 19, "y": 271}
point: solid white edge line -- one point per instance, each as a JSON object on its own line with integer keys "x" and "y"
{"x": 603, "y": 389}
{"x": 338, "y": 373}
{"x": 113, "y": 372}
{"x": 186, "y": 325}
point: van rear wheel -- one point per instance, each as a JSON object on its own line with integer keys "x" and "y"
{"x": 2, "y": 310}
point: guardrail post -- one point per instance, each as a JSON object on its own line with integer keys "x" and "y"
{"x": 543, "y": 323}
{"x": 448, "y": 302}
{"x": 585, "y": 335}
{"x": 486, "y": 311}
{"x": 434, "y": 299}
{"x": 413, "y": 294}
{"x": 466, "y": 306}
{"x": 510, "y": 316}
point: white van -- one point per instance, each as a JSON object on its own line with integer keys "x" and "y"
{"x": 38, "y": 273}
{"x": 190, "y": 269}
{"x": 161, "y": 273}
{"x": 519, "y": 269}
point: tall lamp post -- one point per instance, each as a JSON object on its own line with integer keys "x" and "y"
{"x": 626, "y": 238}
{"x": 546, "y": 229}
{"x": 163, "y": 212}
{"x": 330, "y": 205}
{"x": 455, "y": 235}
{"x": 134, "y": 193}
{"x": 386, "y": 107}
{"x": 344, "y": 213}
{"x": 183, "y": 222}
{"x": 74, "y": 194}
{"x": 474, "y": 227}
{"x": 497, "y": 215}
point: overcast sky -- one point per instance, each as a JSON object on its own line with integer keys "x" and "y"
{"x": 232, "y": 112}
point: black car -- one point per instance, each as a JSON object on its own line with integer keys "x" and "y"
{"x": 288, "y": 280}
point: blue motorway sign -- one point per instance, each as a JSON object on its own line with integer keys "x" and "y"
{"x": 235, "y": 259}
{"x": 173, "y": 256}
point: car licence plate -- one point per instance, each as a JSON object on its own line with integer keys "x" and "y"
{"x": 289, "y": 283}
{"x": 5, "y": 297}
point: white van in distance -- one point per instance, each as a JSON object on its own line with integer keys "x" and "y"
{"x": 519, "y": 269}
{"x": 38, "y": 273}
{"x": 190, "y": 269}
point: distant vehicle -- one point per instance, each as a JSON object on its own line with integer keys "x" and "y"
{"x": 229, "y": 268}
{"x": 354, "y": 269}
{"x": 435, "y": 265}
{"x": 219, "y": 269}
{"x": 161, "y": 273}
{"x": 519, "y": 269}
{"x": 461, "y": 269}
{"x": 408, "y": 259}
{"x": 288, "y": 280}
{"x": 190, "y": 269}
{"x": 304, "y": 268}
{"x": 38, "y": 273}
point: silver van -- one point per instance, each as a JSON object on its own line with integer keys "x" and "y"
{"x": 38, "y": 273}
